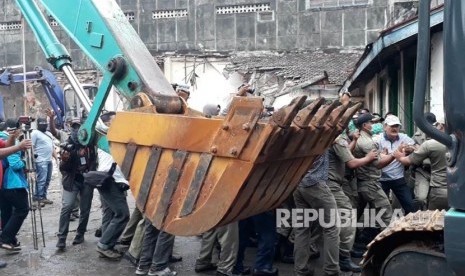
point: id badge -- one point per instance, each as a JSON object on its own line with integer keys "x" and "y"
{"x": 83, "y": 161}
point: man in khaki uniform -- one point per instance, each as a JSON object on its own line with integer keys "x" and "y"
{"x": 421, "y": 174}
{"x": 340, "y": 156}
{"x": 368, "y": 176}
{"x": 436, "y": 152}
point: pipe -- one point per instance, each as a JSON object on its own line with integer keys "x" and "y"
{"x": 421, "y": 76}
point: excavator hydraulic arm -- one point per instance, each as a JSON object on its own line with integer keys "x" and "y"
{"x": 49, "y": 82}
{"x": 187, "y": 173}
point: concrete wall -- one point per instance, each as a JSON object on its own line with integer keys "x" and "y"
{"x": 437, "y": 74}
{"x": 222, "y": 25}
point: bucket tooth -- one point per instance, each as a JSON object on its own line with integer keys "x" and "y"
{"x": 323, "y": 114}
{"x": 316, "y": 129}
{"x": 305, "y": 115}
{"x": 281, "y": 137}
{"x": 301, "y": 121}
{"x": 332, "y": 129}
{"x": 283, "y": 117}
{"x": 348, "y": 114}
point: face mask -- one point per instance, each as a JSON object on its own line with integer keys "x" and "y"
{"x": 42, "y": 128}
{"x": 75, "y": 134}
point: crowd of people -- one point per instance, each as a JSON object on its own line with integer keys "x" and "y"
{"x": 372, "y": 164}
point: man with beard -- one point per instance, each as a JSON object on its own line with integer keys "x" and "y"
{"x": 75, "y": 160}
{"x": 42, "y": 142}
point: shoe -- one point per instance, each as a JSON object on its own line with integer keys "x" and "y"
{"x": 142, "y": 270}
{"x": 175, "y": 259}
{"x": 265, "y": 272}
{"x": 36, "y": 204}
{"x": 357, "y": 253}
{"x": 61, "y": 244}
{"x": 10, "y": 247}
{"x": 125, "y": 243}
{"x": 204, "y": 267}
{"x": 165, "y": 272}
{"x": 109, "y": 253}
{"x": 74, "y": 216}
{"x": 130, "y": 258}
{"x": 16, "y": 244}
{"x": 78, "y": 239}
{"x": 346, "y": 264}
{"x": 98, "y": 233}
{"x": 46, "y": 201}
{"x": 2, "y": 264}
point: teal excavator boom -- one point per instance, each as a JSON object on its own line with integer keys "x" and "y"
{"x": 101, "y": 30}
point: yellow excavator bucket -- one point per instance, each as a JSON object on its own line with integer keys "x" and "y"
{"x": 190, "y": 174}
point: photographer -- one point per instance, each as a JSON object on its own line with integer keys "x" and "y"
{"x": 13, "y": 194}
{"x": 75, "y": 161}
{"x": 114, "y": 205}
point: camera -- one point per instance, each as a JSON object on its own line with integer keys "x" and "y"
{"x": 25, "y": 120}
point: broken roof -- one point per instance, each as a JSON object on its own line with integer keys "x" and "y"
{"x": 300, "y": 66}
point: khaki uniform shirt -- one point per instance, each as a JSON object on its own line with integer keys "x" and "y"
{"x": 339, "y": 154}
{"x": 364, "y": 145}
{"x": 419, "y": 137}
{"x": 436, "y": 152}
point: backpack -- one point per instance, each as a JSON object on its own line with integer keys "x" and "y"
{"x": 100, "y": 180}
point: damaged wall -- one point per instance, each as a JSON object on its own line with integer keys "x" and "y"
{"x": 185, "y": 26}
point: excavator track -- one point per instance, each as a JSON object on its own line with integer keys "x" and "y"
{"x": 406, "y": 241}
{"x": 190, "y": 174}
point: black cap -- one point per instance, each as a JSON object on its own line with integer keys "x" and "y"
{"x": 42, "y": 121}
{"x": 430, "y": 117}
{"x": 363, "y": 118}
{"x": 11, "y": 124}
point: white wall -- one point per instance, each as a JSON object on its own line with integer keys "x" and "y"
{"x": 437, "y": 74}
{"x": 212, "y": 86}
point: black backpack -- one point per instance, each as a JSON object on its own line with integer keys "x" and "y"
{"x": 100, "y": 180}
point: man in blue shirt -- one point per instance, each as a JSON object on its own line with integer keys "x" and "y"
{"x": 392, "y": 177}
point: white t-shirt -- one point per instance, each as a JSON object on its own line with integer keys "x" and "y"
{"x": 42, "y": 145}
{"x": 105, "y": 160}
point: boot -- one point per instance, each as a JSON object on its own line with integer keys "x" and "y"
{"x": 61, "y": 244}
{"x": 346, "y": 264}
{"x": 78, "y": 239}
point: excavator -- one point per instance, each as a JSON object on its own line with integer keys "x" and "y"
{"x": 431, "y": 242}
{"x": 188, "y": 173}
{"x": 48, "y": 81}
